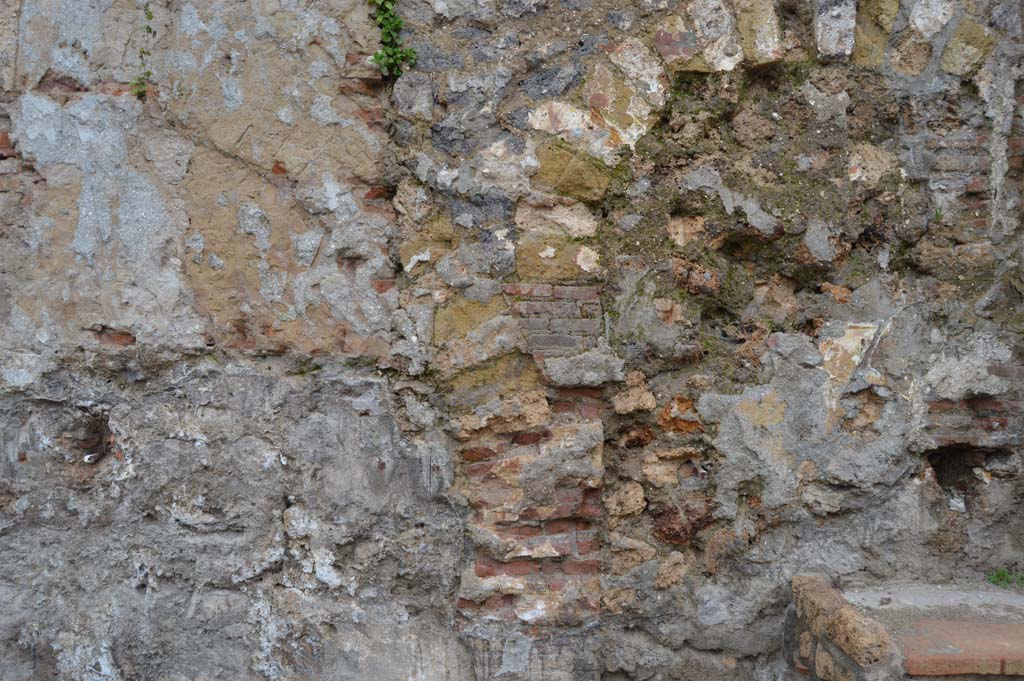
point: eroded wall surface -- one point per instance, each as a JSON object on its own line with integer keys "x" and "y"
{"x": 553, "y": 359}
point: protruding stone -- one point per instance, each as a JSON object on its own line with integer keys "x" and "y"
{"x": 590, "y": 368}
{"x": 705, "y": 39}
{"x": 558, "y": 215}
{"x": 642, "y": 68}
{"x": 677, "y": 45}
{"x": 875, "y": 19}
{"x": 572, "y": 173}
{"x": 835, "y": 28}
{"x": 636, "y": 397}
{"x": 971, "y": 43}
{"x": 672, "y": 570}
{"x": 759, "y": 31}
{"x": 626, "y": 499}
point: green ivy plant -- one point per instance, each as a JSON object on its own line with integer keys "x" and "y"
{"x": 1005, "y": 578}
{"x": 139, "y": 85}
{"x": 391, "y": 56}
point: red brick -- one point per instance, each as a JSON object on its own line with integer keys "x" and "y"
{"x": 518, "y": 567}
{"x": 358, "y": 86}
{"x": 977, "y": 185}
{"x": 974, "y": 202}
{"x": 1006, "y": 370}
{"x": 560, "y": 526}
{"x": 519, "y": 531}
{"x": 577, "y": 292}
{"x": 478, "y": 470}
{"x": 536, "y": 308}
{"x": 989, "y": 423}
{"x": 1015, "y": 145}
{"x": 941, "y": 405}
{"x": 531, "y": 437}
{"x": 383, "y": 285}
{"x": 478, "y": 454}
{"x": 578, "y": 393}
{"x": 489, "y": 495}
{"x": 484, "y": 567}
{"x": 986, "y": 403}
{"x": 562, "y": 544}
{"x": 581, "y": 567}
{"x": 563, "y": 407}
{"x": 466, "y": 604}
{"x": 528, "y": 290}
{"x": 548, "y": 513}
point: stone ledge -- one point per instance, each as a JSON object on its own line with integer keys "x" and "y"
{"x": 905, "y": 631}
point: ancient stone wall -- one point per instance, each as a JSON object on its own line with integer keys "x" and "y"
{"x": 554, "y": 358}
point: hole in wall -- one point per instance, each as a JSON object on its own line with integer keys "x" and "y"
{"x": 961, "y": 470}
{"x": 95, "y": 439}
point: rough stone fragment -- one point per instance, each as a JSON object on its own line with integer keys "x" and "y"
{"x": 912, "y": 54}
{"x": 660, "y": 473}
{"x": 510, "y": 414}
{"x": 552, "y": 81}
{"x": 636, "y": 397}
{"x": 717, "y": 37}
{"x": 868, "y": 164}
{"x": 875, "y": 20}
{"x": 759, "y": 31}
{"x": 703, "y": 39}
{"x": 642, "y": 69}
{"x": 572, "y": 173}
{"x": 414, "y": 95}
{"x": 626, "y": 499}
{"x": 548, "y": 257}
{"x": 684, "y": 230}
{"x": 928, "y": 17}
{"x": 678, "y": 415}
{"x": 493, "y": 338}
{"x": 591, "y": 368}
{"x": 672, "y": 570}
{"x": 824, "y": 665}
{"x": 970, "y": 44}
{"x": 835, "y": 28}
{"x": 677, "y": 45}
{"x": 830, "y": 616}
{"x": 620, "y": 111}
{"x": 571, "y": 218}
{"x": 462, "y": 315}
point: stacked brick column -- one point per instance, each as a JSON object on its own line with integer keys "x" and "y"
{"x": 557, "y": 320}
{"x": 535, "y": 492}
{"x": 987, "y": 421}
